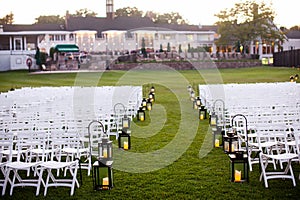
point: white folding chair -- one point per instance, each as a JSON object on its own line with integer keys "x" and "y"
{"x": 52, "y": 180}
{"x": 6, "y": 144}
{"x": 281, "y": 156}
{"x": 24, "y": 143}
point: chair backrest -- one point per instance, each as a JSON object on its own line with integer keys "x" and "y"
{"x": 6, "y": 145}
{"x": 29, "y": 141}
{"x": 297, "y": 141}
{"x": 62, "y": 140}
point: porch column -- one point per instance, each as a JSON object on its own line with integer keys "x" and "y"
{"x": 10, "y": 43}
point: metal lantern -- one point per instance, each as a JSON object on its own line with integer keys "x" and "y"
{"x": 152, "y": 89}
{"x": 197, "y": 103}
{"x": 202, "y": 113}
{"x": 230, "y": 142}
{"x": 152, "y": 96}
{"x": 141, "y": 114}
{"x": 239, "y": 167}
{"x": 105, "y": 149}
{"x": 192, "y": 95}
{"x": 149, "y": 105}
{"x": 102, "y": 168}
{"x": 124, "y": 140}
{"x": 125, "y": 123}
{"x": 213, "y": 119}
{"x": 216, "y": 129}
{"x": 296, "y": 77}
{"x": 103, "y": 175}
{"x": 292, "y": 79}
{"x": 144, "y": 102}
{"x": 189, "y": 88}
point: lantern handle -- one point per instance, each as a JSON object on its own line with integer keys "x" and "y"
{"x": 124, "y": 108}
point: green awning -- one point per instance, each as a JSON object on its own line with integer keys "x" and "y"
{"x": 67, "y": 48}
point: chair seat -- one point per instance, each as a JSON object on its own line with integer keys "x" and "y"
{"x": 21, "y": 165}
{"x": 284, "y": 156}
{"x": 56, "y": 164}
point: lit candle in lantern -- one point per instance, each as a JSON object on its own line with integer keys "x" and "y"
{"x": 217, "y": 143}
{"x": 149, "y": 107}
{"x": 105, "y": 153}
{"x": 232, "y": 147}
{"x": 142, "y": 118}
{"x": 125, "y": 145}
{"x": 105, "y": 183}
{"x": 201, "y": 116}
{"x": 237, "y": 176}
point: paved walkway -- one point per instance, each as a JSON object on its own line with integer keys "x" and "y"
{"x": 65, "y": 71}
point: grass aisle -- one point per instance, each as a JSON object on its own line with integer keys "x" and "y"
{"x": 190, "y": 175}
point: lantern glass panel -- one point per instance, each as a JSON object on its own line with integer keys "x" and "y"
{"x": 125, "y": 123}
{"x": 239, "y": 168}
{"x": 124, "y": 142}
{"x": 103, "y": 177}
{"x": 141, "y": 115}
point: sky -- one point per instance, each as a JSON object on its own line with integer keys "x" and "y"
{"x": 194, "y": 11}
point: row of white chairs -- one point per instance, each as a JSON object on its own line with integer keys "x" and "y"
{"x": 70, "y": 99}
{"x": 270, "y": 143}
{"x": 26, "y": 157}
{"x": 251, "y": 95}
{"x": 266, "y": 118}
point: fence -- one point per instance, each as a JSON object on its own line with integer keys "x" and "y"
{"x": 287, "y": 58}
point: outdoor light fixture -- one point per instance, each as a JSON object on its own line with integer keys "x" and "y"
{"x": 189, "y": 88}
{"x": 149, "y": 104}
{"x": 124, "y": 134}
{"x": 105, "y": 148}
{"x": 141, "y": 114}
{"x": 239, "y": 167}
{"x": 296, "y": 77}
{"x": 102, "y": 168}
{"x": 152, "y": 89}
{"x": 230, "y": 141}
{"x": 151, "y": 96}
{"x": 197, "y": 103}
{"x": 192, "y": 95}
{"x": 124, "y": 140}
{"x": 216, "y": 128}
{"x": 202, "y": 113}
{"x": 103, "y": 175}
{"x": 292, "y": 79}
{"x": 144, "y": 102}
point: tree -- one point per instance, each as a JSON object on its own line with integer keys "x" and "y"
{"x": 7, "y": 19}
{"x": 168, "y": 47}
{"x": 84, "y": 13}
{"x": 179, "y": 48}
{"x": 166, "y": 18}
{"x": 295, "y": 28}
{"x": 169, "y": 18}
{"x": 128, "y": 12}
{"x": 247, "y": 22}
{"x": 50, "y": 19}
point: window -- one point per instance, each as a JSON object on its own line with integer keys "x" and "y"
{"x": 17, "y": 43}
{"x": 189, "y": 37}
{"x": 57, "y": 37}
{"x": 167, "y": 36}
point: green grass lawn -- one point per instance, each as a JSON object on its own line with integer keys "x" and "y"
{"x": 171, "y": 155}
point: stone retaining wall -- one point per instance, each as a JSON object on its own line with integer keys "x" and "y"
{"x": 184, "y": 65}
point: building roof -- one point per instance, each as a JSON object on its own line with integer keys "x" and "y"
{"x": 33, "y": 27}
{"x": 293, "y": 35}
{"x": 101, "y": 24}
{"x": 127, "y": 23}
